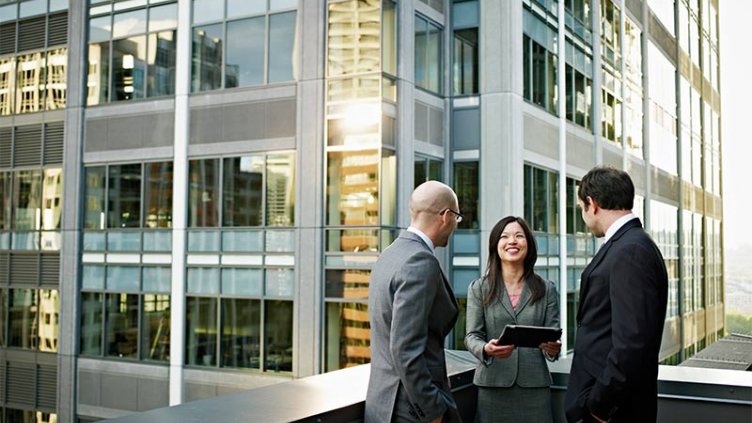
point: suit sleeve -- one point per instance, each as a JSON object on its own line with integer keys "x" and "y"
{"x": 553, "y": 316}
{"x": 633, "y": 292}
{"x": 413, "y": 298}
{"x": 475, "y": 322}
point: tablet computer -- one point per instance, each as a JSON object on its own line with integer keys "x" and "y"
{"x": 528, "y": 336}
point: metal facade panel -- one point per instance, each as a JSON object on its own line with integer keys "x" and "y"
{"x": 8, "y": 38}
{"x": 27, "y": 149}
{"x": 57, "y": 29}
{"x": 53, "y": 143}
{"x": 50, "y": 269}
{"x": 31, "y": 33}
{"x": 6, "y": 145}
{"x": 47, "y": 387}
{"x": 22, "y": 377}
{"x": 24, "y": 269}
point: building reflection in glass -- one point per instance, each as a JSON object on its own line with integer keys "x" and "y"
{"x": 30, "y": 73}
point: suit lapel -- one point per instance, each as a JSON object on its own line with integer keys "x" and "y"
{"x": 507, "y": 303}
{"x": 525, "y": 297}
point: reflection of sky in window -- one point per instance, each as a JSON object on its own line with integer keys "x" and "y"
{"x": 34, "y": 7}
{"x": 282, "y": 51}
{"x": 245, "y": 52}
{"x": 163, "y": 17}
{"x": 129, "y": 23}
{"x": 8, "y": 13}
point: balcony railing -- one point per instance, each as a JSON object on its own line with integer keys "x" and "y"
{"x": 684, "y": 395}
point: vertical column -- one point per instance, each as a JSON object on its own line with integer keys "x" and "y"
{"x": 562, "y": 87}
{"x": 179, "y": 201}
{"x": 307, "y": 325}
{"x": 73, "y": 183}
{"x": 597, "y": 116}
{"x": 406, "y": 110}
{"x": 646, "y": 108}
{"x": 501, "y": 164}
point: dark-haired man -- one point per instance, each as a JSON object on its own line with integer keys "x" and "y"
{"x": 621, "y": 312}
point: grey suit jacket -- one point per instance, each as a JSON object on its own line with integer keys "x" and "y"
{"x": 411, "y": 309}
{"x": 526, "y": 367}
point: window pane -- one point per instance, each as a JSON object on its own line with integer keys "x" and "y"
{"x": 282, "y": 51}
{"x": 100, "y": 29}
{"x": 97, "y": 86}
{"x": 129, "y": 23}
{"x": 280, "y": 190}
{"x": 155, "y": 328}
{"x": 242, "y": 191}
{"x": 350, "y": 283}
{"x": 201, "y": 331}
{"x": 49, "y": 308}
{"x": 123, "y": 278}
{"x": 203, "y": 195}
{"x": 246, "y": 282}
{"x": 163, "y": 17}
{"x": 7, "y": 85}
{"x": 161, "y": 64}
{"x": 245, "y": 52}
{"x": 241, "y": 327}
{"x": 389, "y": 40}
{"x": 27, "y": 199}
{"x": 280, "y": 283}
{"x": 30, "y": 82}
{"x": 282, "y": 4}
{"x": 122, "y": 325}
{"x": 434, "y": 62}
{"x": 57, "y": 89}
{"x": 158, "y": 195}
{"x": 22, "y": 316}
{"x": 421, "y": 35}
{"x": 208, "y": 10}
{"x": 92, "y": 277}
{"x": 352, "y": 192}
{"x": 203, "y": 280}
{"x": 348, "y": 335}
{"x": 124, "y": 193}
{"x": 5, "y": 200}
{"x": 466, "y": 187}
{"x": 278, "y": 336}
{"x": 157, "y": 279}
{"x": 353, "y": 40}
{"x": 128, "y": 68}
{"x": 52, "y": 198}
{"x": 206, "y": 65}
{"x": 33, "y": 7}
{"x": 94, "y": 200}
{"x": 245, "y": 7}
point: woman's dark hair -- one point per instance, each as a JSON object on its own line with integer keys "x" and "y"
{"x": 493, "y": 274}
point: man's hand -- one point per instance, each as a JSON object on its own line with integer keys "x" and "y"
{"x": 436, "y": 420}
{"x": 598, "y": 419}
{"x": 497, "y": 351}
{"x": 552, "y": 349}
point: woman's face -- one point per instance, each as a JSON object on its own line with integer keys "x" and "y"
{"x": 512, "y": 246}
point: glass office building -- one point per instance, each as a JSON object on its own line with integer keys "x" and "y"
{"x": 193, "y": 192}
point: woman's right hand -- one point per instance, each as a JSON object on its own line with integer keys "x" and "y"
{"x": 497, "y": 351}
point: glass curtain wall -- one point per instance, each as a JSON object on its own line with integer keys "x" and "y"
{"x": 360, "y": 203}
{"x": 539, "y": 59}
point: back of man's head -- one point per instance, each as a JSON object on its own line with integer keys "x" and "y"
{"x": 611, "y": 188}
{"x": 430, "y": 198}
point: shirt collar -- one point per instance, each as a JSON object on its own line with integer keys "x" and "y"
{"x": 422, "y": 236}
{"x": 618, "y": 223}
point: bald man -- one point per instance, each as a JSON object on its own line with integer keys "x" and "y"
{"x": 412, "y": 309}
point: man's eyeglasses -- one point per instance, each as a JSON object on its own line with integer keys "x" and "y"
{"x": 457, "y": 215}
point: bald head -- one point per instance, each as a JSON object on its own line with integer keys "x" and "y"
{"x": 429, "y": 199}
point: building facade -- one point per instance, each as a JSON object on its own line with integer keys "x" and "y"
{"x": 193, "y": 191}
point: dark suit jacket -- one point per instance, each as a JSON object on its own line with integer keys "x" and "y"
{"x": 620, "y": 323}
{"x": 411, "y": 309}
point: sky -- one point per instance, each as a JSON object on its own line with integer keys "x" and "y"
{"x": 736, "y": 120}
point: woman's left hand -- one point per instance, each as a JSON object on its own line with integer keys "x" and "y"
{"x": 552, "y": 349}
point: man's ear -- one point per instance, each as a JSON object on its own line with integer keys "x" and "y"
{"x": 594, "y": 204}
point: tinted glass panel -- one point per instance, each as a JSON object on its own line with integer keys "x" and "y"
{"x": 5, "y": 200}
{"x": 129, "y": 23}
{"x": 52, "y": 198}
{"x": 201, "y": 331}
{"x": 155, "y": 327}
{"x": 158, "y": 195}
{"x": 278, "y": 336}
{"x": 49, "y": 306}
{"x": 241, "y": 333}
{"x": 27, "y": 194}
{"x": 245, "y": 52}
{"x": 128, "y": 68}
{"x": 208, "y": 10}
{"x": 97, "y": 86}
{"x": 280, "y": 190}
{"x": 206, "y": 64}
{"x": 242, "y": 191}
{"x": 163, "y": 17}
{"x": 282, "y": 52}
{"x": 348, "y": 335}
{"x": 122, "y": 325}
{"x": 161, "y": 64}
{"x": 22, "y": 316}
{"x": 203, "y": 195}
{"x": 124, "y": 193}
{"x": 245, "y": 7}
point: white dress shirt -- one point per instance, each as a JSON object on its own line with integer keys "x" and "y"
{"x": 618, "y": 223}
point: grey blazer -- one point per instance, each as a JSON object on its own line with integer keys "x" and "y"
{"x": 411, "y": 309}
{"x": 526, "y": 367}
